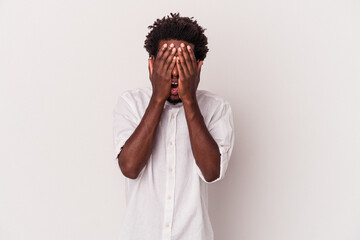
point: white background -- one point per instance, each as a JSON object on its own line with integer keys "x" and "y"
{"x": 290, "y": 70}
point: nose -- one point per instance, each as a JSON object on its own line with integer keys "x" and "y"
{"x": 174, "y": 72}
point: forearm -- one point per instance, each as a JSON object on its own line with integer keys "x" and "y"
{"x": 204, "y": 147}
{"x": 137, "y": 149}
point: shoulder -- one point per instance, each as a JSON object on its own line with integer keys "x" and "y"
{"x": 210, "y": 100}
{"x": 134, "y": 100}
{"x": 136, "y": 95}
{"x": 216, "y": 111}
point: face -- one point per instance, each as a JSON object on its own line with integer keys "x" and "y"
{"x": 174, "y": 97}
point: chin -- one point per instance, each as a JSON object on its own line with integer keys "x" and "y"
{"x": 174, "y": 99}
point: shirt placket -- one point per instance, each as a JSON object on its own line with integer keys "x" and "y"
{"x": 170, "y": 174}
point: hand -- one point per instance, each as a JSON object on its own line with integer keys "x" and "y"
{"x": 189, "y": 73}
{"x": 160, "y": 71}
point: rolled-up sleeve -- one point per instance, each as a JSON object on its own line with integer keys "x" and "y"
{"x": 221, "y": 128}
{"x": 124, "y": 124}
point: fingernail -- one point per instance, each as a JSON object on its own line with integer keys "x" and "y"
{"x": 188, "y": 47}
{"x": 171, "y": 45}
{"x": 182, "y": 44}
{"x": 179, "y": 49}
{"x": 165, "y": 45}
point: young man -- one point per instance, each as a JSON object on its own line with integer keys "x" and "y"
{"x": 171, "y": 140}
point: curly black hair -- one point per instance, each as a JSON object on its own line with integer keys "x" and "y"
{"x": 179, "y": 28}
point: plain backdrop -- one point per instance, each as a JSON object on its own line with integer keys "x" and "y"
{"x": 290, "y": 70}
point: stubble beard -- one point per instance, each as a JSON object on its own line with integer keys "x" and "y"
{"x": 174, "y": 101}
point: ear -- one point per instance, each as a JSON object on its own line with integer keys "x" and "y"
{"x": 151, "y": 66}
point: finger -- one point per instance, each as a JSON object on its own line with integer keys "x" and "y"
{"x": 169, "y": 59}
{"x": 182, "y": 62}
{"x": 161, "y": 51}
{"x": 171, "y": 67}
{"x": 187, "y": 58}
{"x": 179, "y": 68}
{"x": 192, "y": 56}
{"x": 167, "y": 52}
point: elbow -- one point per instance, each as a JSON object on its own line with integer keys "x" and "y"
{"x": 210, "y": 170}
{"x": 127, "y": 169}
{"x": 212, "y": 175}
{"x": 129, "y": 174}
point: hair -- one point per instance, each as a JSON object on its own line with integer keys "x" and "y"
{"x": 179, "y": 28}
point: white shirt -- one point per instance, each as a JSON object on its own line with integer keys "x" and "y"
{"x": 169, "y": 198}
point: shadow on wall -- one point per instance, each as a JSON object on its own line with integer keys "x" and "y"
{"x": 224, "y": 202}
{"x": 225, "y": 197}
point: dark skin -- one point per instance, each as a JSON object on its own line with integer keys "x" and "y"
{"x": 175, "y": 62}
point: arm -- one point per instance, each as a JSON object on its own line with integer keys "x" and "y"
{"x": 205, "y": 150}
{"x": 137, "y": 150}
{"x": 204, "y": 147}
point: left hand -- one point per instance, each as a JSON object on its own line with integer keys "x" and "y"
{"x": 189, "y": 73}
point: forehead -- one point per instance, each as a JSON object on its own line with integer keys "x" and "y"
{"x": 175, "y": 42}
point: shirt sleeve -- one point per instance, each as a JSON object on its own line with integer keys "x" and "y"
{"x": 221, "y": 128}
{"x": 124, "y": 124}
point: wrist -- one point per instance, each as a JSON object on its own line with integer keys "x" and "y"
{"x": 191, "y": 108}
{"x": 190, "y": 100}
{"x": 157, "y": 100}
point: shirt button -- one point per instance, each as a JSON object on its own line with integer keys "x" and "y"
{"x": 170, "y": 143}
{"x": 172, "y": 116}
{"x": 169, "y": 197}
{"x": 167, "y": 225}
{"x": 170, "y": 169}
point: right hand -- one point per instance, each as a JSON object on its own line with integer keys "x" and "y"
{"x": 160, "y": 71}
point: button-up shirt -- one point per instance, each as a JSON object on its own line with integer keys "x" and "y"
{"x": 169, "y": 198}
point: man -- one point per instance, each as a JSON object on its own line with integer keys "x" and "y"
{"x": 171, "y": 140}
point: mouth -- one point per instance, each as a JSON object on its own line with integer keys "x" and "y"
{"x": 174, "y": 88}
